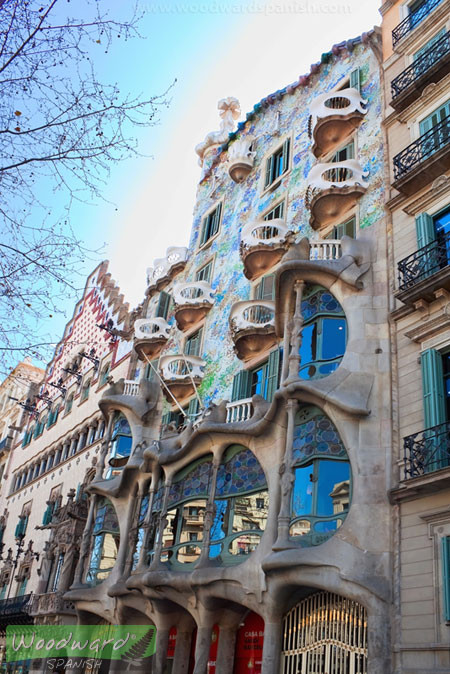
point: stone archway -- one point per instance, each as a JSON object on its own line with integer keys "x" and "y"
{"x": 325, "y": 634}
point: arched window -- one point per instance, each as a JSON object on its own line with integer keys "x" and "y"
{"x": 69, "y": 404}
{"x": 322, "y": 486}
{"x": 240, "y": 506}
{"x": 122, "y": 442}
{"x": 86, "y": 390}
{"x": 105, "y": 543}
{"x": 324, "y": 333}
{"x": 105, "y": 374}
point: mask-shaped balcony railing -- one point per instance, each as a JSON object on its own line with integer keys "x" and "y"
{"x": 263, "y": 244}
{"x": 334, "y": 115}
{"x": 192, "y": 302}
{"x": 165, "y": 268}
{"x": 427, "y": 451}
{"x": 432, "y": 147}
{"x": 150, "y": 335}
{"x": 430, "y": 67}
{"x": 413, "y": 19}
{"x": 240, "y": 158}
{"x": 252, "y": 324}
{"x": 181, "y": 374}
{"x": 334, "y": 188}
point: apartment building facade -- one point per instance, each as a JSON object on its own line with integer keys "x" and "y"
{"x": 249, "y": 520}
{"x": 416, "y": 65}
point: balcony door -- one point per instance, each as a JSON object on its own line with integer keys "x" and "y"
{"x": 437, "y": 128}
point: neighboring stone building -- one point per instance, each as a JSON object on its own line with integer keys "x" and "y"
{"x": 42, "y": 496}
{"x": 249, "y": 520}
{"x": 416, "y": 46}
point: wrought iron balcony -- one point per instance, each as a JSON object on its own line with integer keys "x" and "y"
{"x": 423, "y": 160}
{"x": 181, "y": 374}
{"x": 334, "y": 188}
{"x": 192, "y": 302}
{"x": 431, "y": 66}
{"x": 334, "y": 116}
{"x": 427, "y": 451}
{"x": 424, "y": 263}
{"x": 252, "y": 324}
{"x": 263, "y": 244}
{"x": 16, "y": 610}
{"x": 413, "y": 20}
{"x": 150, "y": 335}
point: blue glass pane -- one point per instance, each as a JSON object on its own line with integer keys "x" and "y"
{"x": 442, "y": 222}
{"x": 258, "y": 382}
{"x": 143, "y": 509}
{"x": 333, "y": 487}
{"x": 319, "y": 301}
{"x": 157, "y": 499}
{"x": 328, "y": 368}
{"x": 242, "y": 473}
{"x": 303, "y": 490}
{"x": 121, "y": 426}
{"x": 334, "y": 337}
{"x": 309, "y": 344}
{"x": 324, "y": 527}
{"x": 316, "y": 436}
{"x": 220, "y": 524}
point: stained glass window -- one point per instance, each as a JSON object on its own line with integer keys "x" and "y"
{"x": 192, "y": 482}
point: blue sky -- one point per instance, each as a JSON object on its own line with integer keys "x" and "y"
{"x": 213, "y": 50}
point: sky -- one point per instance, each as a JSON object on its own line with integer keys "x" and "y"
{"x": 245, "y": 49}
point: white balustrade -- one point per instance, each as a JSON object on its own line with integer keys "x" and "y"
{"x": 151, "y": 328}
{"x": 194, "y": 293}
{"x": 342, "y": 103}
{"x": 327, "y": 249}
{"x": 252, "y": 314}
{"x": 265, "y": 233}
{"x": 240, "y": 158}
{"x": 181, "y": 367}
{"x": 131, "y": 388}
{"x": 163, "y": 266}
{"x": 239, "y": 410}
{"x": 337, "y": 174}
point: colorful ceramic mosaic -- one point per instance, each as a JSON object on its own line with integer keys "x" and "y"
{"x": 193, "y": 484}
{"x": 320, "y": 301}
{"x": 242, "y": 473}
{"x": 316, "y": 436}
{"x": 106, "y": 519}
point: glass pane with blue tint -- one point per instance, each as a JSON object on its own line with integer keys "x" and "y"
{"x": 333, "y": 487}
{"x": 334, "y": 337}
{"x": 193, "y": 482}
{"x": 241, "y": 473}
{"x": 258, "y": 381}
{"x": 316, "y": 436}
{"x": 302, "y": 495}
{"x": 246, "y": 515}
{"x": 308, "y": 348}
{"x": 219, "y": 528}
{"x": 325, "y": 527}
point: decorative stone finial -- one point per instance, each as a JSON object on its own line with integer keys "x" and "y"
{"x": 229, "y": 111}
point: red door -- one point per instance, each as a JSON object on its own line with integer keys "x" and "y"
{"x": 249, "y": 646}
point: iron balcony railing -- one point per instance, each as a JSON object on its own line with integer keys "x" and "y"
{"x": 424, "y": 262}
{"x": 427, "y": 451}
{"x": 422, "y": 148}
{"x": 413, "y": 19}
{"x": 421, "y": 65}
{"x": 14, "y": 606}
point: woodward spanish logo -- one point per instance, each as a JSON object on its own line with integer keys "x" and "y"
{"x": 129, "y": 643}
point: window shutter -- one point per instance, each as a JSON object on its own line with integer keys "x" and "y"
{"x": 166, "y": 418}
{"x": 433, "y": 388}
{"x": 269, "y": 171}
{"x": 272, "y": 373}
{"x": 425, "y": 230}
{"x": 446, "y": 575}
{"x": 48, "y": 514}
{"x": 163, "y": 305}
{"x": 241, "y": 385}
{"x": 216, "y": 220}
{"x": 355, "y": 79}
{"x": 286, "y": 151}
{"x": 193, "y": 409}
{"x": 204, "y": 231}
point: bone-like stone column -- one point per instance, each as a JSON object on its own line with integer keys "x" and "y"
{"x": 209, "y": 518}
{"x": 272, "y": 648}
{"x": 202, "y": 647}
{"x": 296, "y": 326}
{"x": 160, "y": 657}
{"x": 225, "y": 651}
{"x": 286, "y": 479}
{"x": 85, "y": 543}
{"x": 182, "y": 652}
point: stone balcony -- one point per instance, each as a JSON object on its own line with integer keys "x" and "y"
{"x": 263, "y": 244}
{"x": 334, "y": 116}
{"x": 181, "y": 374}
{"x": 51, "y": 604}
{"x": 325, "y": 249}
{"x": 240, "y": 158}
{"x": 333, "y": 189}
{"x": 252, "y": 324}
{"x": 165, "y": 268}
{"x": 150, "y": 336}
{"x": 239, "y": 410}
{"x": 192, "y": 302}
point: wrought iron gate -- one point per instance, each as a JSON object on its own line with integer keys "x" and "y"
{"x": 325, "y": 634}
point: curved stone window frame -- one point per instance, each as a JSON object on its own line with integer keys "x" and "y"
{"x": 229, "y": 507}
{"x": 106, "y": 539}
{"x": 318, "y": 448}
{"x": 322, "y": 323}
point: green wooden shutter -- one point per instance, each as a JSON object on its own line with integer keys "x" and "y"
{"x": 204, "y": 231}
{"x": 433, "y": 388}
{"x": 269, "y": 171}
{"x": 166, "y": 418}
{"x": 241, "y": 385}
{"x": 286, "y": 151}
{"x": 48, "y": 514}
{"x": 425, "y": 230}
{"x": 446, "y": 575}
{"x": 193, "y": 409}
{"x": 272, "y": 373}
{"x": 163, "y": 305}
{"x": 216, "y": 220}
{"x": 355, "y": 79}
